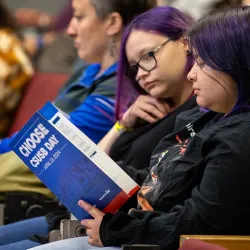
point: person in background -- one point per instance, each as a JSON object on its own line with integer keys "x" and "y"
{"x": 28, "y": 17}
{"x": 15, "y": 69}
{"x": 198, "y": 178}
{"x": 46, "y": 40}
{"x": 198, "y": 8}
{"x": 245, "y": 2}
{"x": 45, "y": 28}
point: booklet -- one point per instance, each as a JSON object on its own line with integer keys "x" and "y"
{"x": 70, "y": 164}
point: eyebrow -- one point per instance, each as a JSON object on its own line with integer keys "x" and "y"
{"x": 131, "y": 63}
{"x": 141, "y": 53}
{"x": 146, "y": 50}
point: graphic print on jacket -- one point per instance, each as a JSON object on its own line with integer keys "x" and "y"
{"x": 172, "y": 163}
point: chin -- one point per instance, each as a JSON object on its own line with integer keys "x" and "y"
{"x": 82, "y": 55}
{"x": 157, "y": 93}
{"x": 202, "y": 103}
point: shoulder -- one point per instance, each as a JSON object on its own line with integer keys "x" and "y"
{"x": 106, "y": 86}
{"x": 185, "y": 117}
{"x": 231, "y": 134}
{"x": 237, "y": 124}
{"x": 74, "y": 77}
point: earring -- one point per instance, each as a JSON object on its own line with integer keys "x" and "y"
{"x": 112, "y": 47}
{"x": 188, "y": 53}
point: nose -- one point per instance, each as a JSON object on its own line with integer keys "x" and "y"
{"x": 71, "y": 30}
{"x": 192, "y": 74}
{"x": 141, "y": 73}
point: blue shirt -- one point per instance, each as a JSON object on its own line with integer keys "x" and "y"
{"x": 95, "y": 116}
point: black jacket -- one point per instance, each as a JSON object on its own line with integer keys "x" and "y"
{"x": 198, "y": 183}
{"x": 135, "y": 147}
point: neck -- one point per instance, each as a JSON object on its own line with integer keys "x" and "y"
{"x": 184, "y": 95}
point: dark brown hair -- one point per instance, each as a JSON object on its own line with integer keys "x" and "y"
{"x": 6, "y": 18}
{"x": 225, "y": 3}
{"x": 128, "y": 9}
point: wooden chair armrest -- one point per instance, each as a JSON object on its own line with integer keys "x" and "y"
{"x": 227, "y": 241}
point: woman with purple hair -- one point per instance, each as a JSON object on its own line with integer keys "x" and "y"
{"x": 152, "y": 85}
{"x": 198, "y": 180}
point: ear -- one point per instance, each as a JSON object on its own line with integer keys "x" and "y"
{"x": 184, "y": 41}
{"x": 114, "y": 24}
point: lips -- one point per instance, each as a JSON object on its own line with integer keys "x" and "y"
{"x": 76, "y": 44}
{"x": 196, "y": 91}
{"x": 148, "y": 85}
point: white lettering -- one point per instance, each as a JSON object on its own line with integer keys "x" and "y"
{"x": 191, "y": 129}
{"x": 35, "y": 138}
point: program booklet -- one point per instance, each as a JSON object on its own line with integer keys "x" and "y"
{"x": 70, "y": 164}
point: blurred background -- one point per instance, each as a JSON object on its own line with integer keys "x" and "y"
{"x": 51, "y": 7}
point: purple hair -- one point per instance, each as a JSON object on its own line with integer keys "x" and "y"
{"x": 166, "y": 21}
{"x": 221, "y": 39}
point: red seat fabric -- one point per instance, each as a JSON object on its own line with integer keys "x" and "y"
{"x": 42, "y": 88}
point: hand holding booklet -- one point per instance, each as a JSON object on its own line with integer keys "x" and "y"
{"x": 70, "y": 164}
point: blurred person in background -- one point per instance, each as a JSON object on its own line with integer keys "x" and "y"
{"x": 15, "y": 68}
{"x": 197, "y": 9}
{"x": 40, "y": 28}
{"x": 31, "y": 17}
{"x": 245, "y": 2}
{"x": 46, "y": 40}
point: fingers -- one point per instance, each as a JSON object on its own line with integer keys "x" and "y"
{"x": 93, "y": 211}
{"x": 89, "y": 232}
{"x": 87, "y": 223}
{"x": 149, "y": 114}
{"x": 147, "y": 117}
{"x": 151, "y": 109}
{"x": 95, "y": 242}
{"x": 161, "y": 105}
{"x": 146, "y": 108}
{"x": 93, "y": 233}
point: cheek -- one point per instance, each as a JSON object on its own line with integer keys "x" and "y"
{"x": 176, "y": 63}
{"x": 87, "y": 28}
{"x": 140, "y": 85}
{"x": 161, "y": 90}
{"x": 205, "y": 100}
{"x": 209, "y": 95}
{"x": 84, "y": 32}
{"x": 173, "y": 71}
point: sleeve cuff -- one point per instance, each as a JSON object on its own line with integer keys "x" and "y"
{"x": 106, "y": 218}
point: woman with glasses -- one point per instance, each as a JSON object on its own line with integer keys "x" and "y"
{"x": 199, "y": 175}
{"x": 152, "y": 85}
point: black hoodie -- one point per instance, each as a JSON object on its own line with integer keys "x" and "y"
{"x": 197, "y": 183}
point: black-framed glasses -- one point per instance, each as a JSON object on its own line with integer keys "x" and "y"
{"x": 147, "y": 62}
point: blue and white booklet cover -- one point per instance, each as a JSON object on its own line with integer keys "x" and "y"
{"x": 70, "y": 164}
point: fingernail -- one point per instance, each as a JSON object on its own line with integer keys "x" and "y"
{"x": 81, "y": 203}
